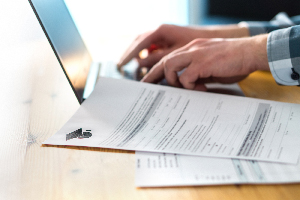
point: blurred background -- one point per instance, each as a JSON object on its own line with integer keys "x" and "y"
{"x": 108, "y": 27}
{"x": 115, "y": 23}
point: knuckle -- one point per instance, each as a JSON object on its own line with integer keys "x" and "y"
{"x": 167, "y": 64}
{"x": 164, "y": 27}
{"x": 160, "y": 32}
{"x": 183, "y": 79}
{"x": 171, "y": 81}
{"x": 196, "y": 41}
{"x": 186, "y": 81}
{"x": 199, "y": 41}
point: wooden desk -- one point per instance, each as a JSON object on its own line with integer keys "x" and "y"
{"x": 37, "y": 100}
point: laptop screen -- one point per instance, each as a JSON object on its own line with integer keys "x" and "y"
{"x": 65, "y": 41}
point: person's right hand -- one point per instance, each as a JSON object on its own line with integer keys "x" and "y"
{"x": 168, "y": 38}
{"x": 211, "y": 60}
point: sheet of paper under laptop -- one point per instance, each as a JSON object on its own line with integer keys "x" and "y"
{"x": 123, "y": 114}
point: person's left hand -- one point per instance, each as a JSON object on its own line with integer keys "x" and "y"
{"x": 211, "y": 60}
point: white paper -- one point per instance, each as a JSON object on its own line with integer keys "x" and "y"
{"x": 132, "y": 115}
{"x": 158, "y": 169}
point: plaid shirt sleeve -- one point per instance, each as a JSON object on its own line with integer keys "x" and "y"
{"x": 283, "y": 49}
{"x": 283, "y": 46}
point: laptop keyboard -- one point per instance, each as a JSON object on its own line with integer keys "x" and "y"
{"x": 109, "y": 69}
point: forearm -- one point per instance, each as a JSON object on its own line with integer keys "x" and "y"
{"x": 225, "y": 31}
{"x": 221, "y": 31}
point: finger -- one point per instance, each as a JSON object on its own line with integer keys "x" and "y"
{"x": 182, "y": 59}
{"x": 140, "y": 43}
{"x": 199, "y": 83}
{"x": 191, "y": 75}
{"x": 200, "y": 87}
{"x": 173, "y": 64}
{"x": 170, "y": 65}
{"x": 156, "y": 74}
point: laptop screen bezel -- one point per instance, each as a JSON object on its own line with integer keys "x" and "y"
{"x": 78, "y": 82}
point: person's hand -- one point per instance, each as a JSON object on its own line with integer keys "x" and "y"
{"x": 168, "y": 38}
{"x": 211, "y": 60}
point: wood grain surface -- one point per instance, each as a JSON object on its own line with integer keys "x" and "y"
{"x": 36, "y": 100}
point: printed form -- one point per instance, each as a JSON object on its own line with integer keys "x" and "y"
{"x": 131, "y": 115}
{"x": 160, "y": 169}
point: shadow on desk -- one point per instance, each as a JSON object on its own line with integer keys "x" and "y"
{"x": 90, "y": 149}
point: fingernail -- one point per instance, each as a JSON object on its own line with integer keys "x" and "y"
{"x": 143, "y": 79}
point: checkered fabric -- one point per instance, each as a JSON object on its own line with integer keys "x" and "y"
{"x": 283, "y": 47}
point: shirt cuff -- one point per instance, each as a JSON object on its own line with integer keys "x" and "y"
{"x": 280, "y": 56}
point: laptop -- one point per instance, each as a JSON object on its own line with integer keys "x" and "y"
{"x": 76, "y": 61}
{"x": 70, "y": 50}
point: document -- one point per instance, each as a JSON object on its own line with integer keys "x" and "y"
{"x": 160, "y": 169}
{"x": 123, "y": 114}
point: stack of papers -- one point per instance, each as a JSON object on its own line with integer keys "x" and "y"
{"x": 189, "y": 138}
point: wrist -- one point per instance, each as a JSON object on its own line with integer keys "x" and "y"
{"x": 257, "y": 52}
